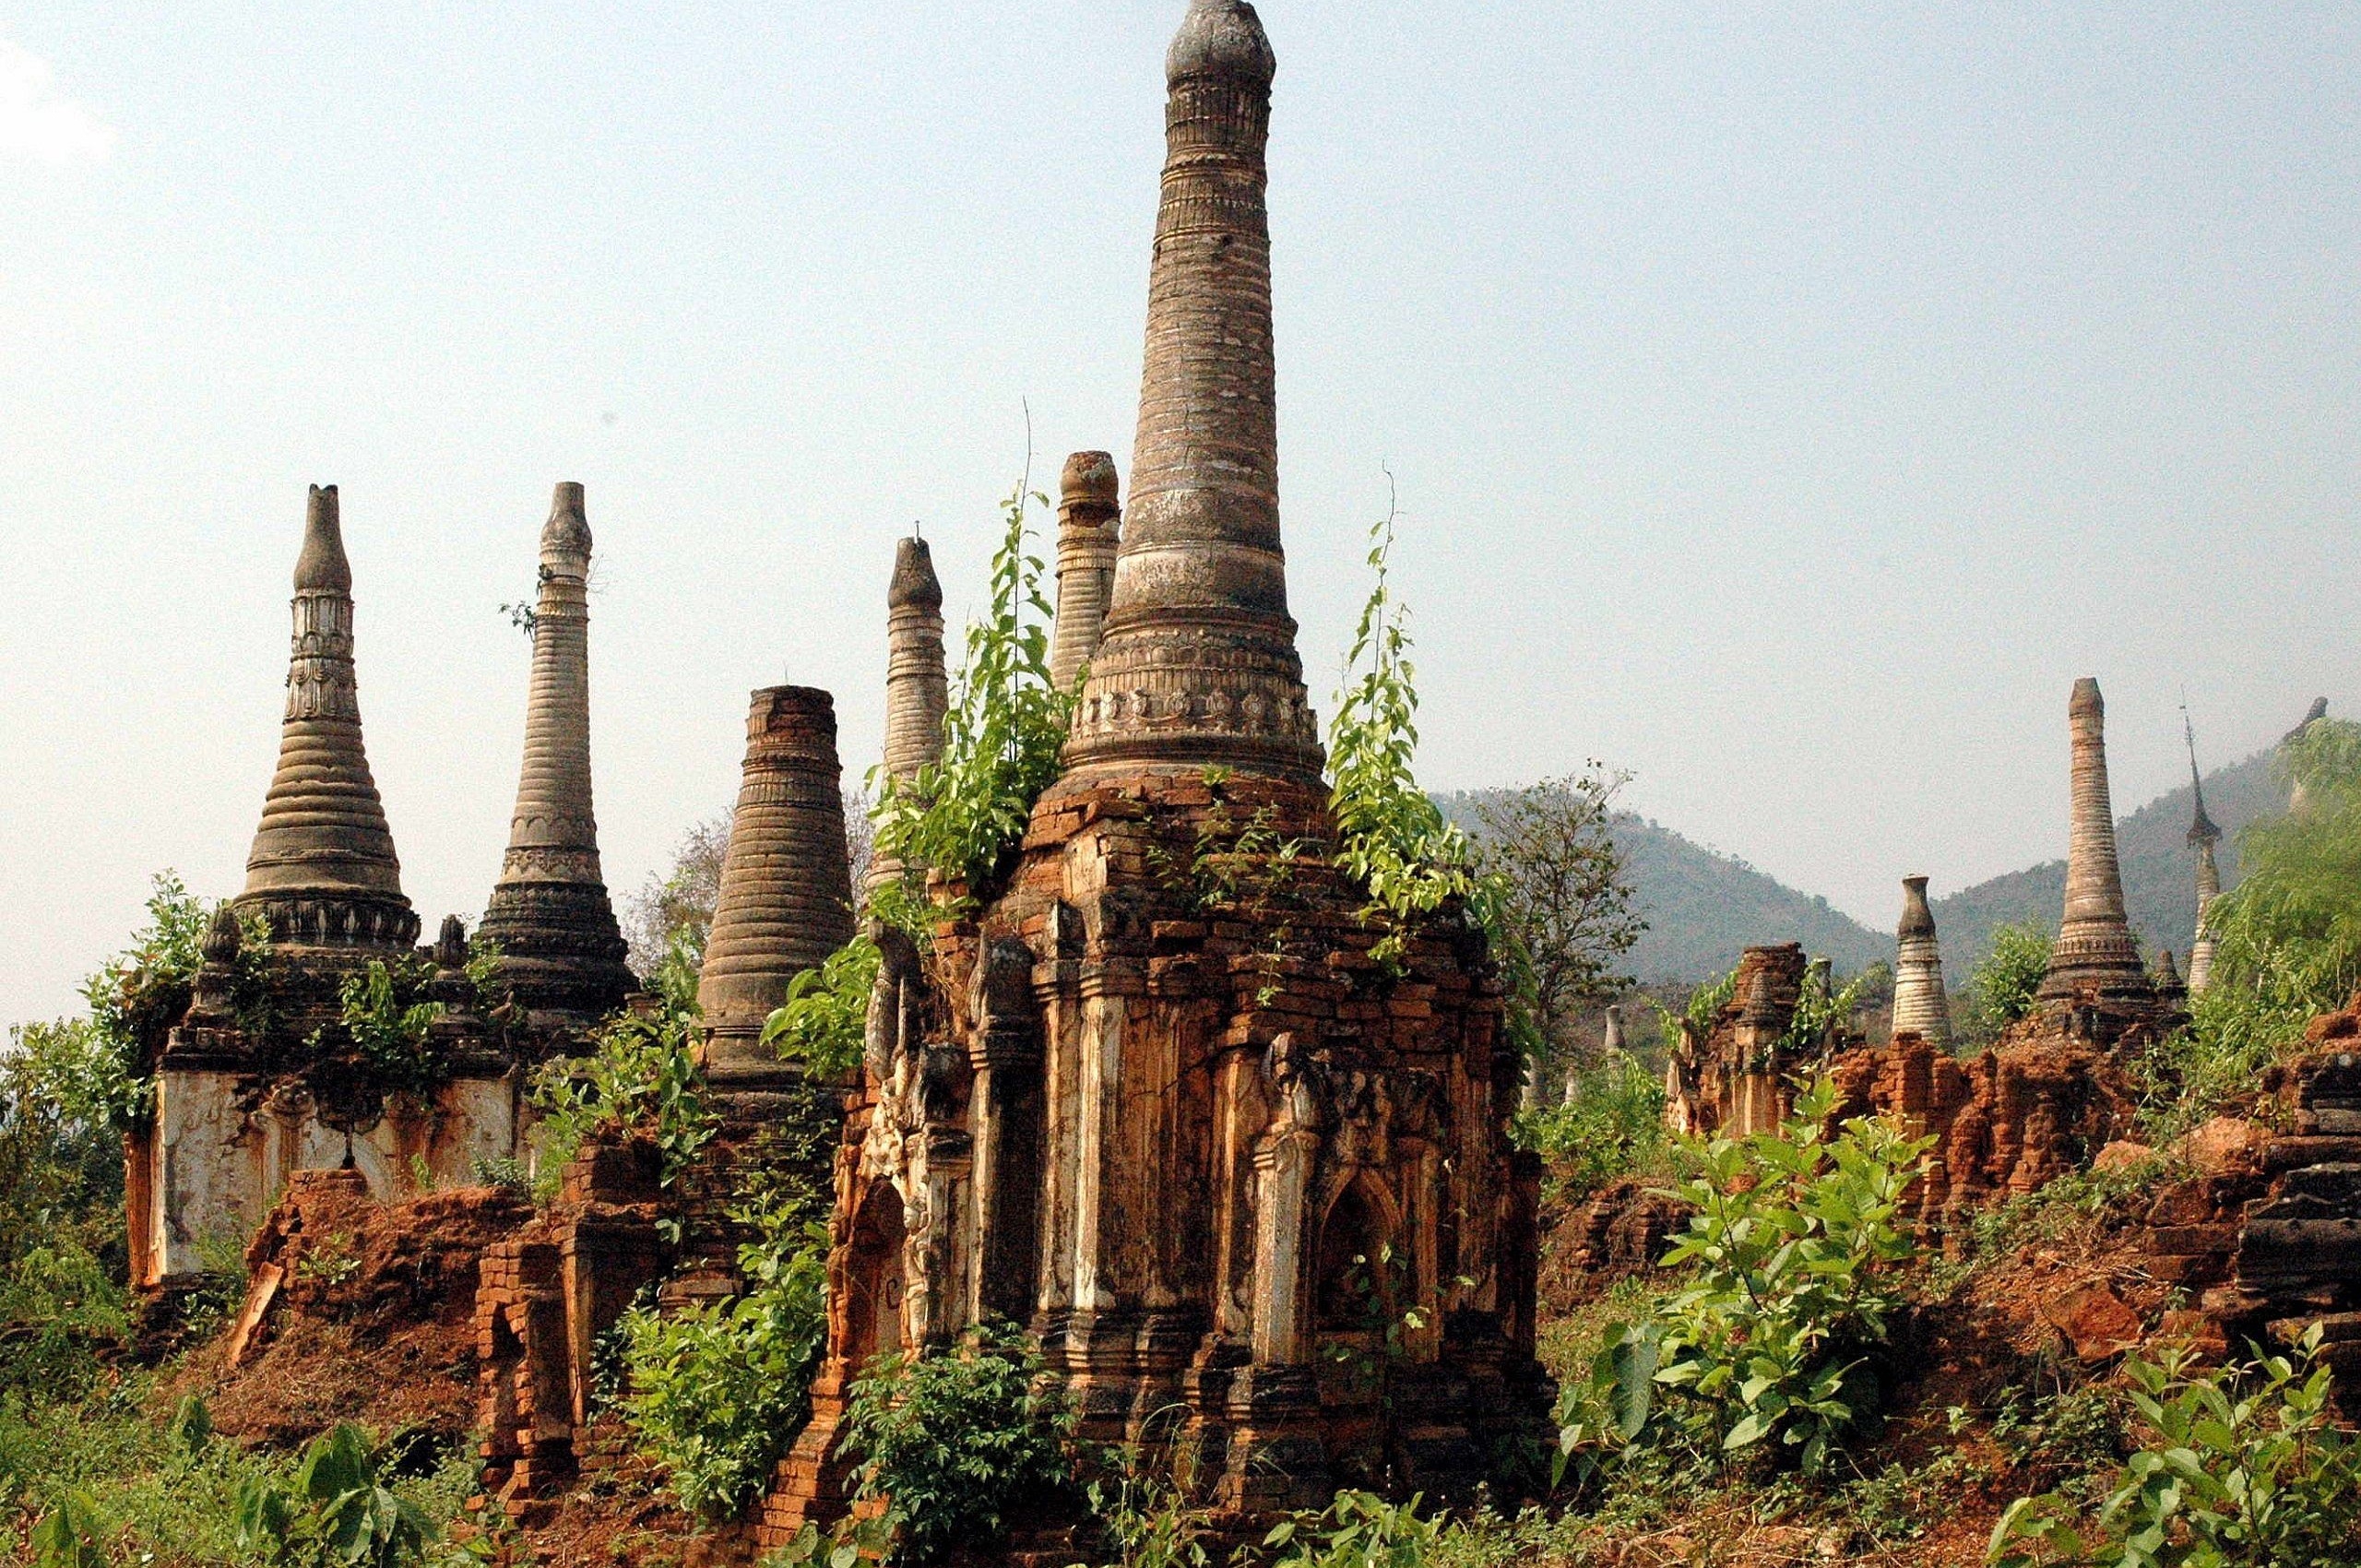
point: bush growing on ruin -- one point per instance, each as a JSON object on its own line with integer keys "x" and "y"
{"x": 2243, "y": 1465}
{"x": 955, "y": 1443}
{"x": 1769, "y": 1351}
{"x": 2002, "y": 987}
{"x": 716, "y": 1392}
{"x": 823, "y": 1021}
{"x": 640, "y": 1080}
{"x": 1561, "y": 898}
{"x": 961, "y": 815}
{"x": 143, "y": 989}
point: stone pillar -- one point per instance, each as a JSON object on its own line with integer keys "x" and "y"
{"x": 1198, "y": 665}
{"x": 2093, "y": 952}
{"x": 1610, "y": 1047}
{"x": 1920, "y": 1005}
{"x": 1088, "y": 510}
{"x": 2200, "y": 951}
{"x": 2202, "y": 836}
{"x": 560, "y": 951}
{"x": 323, "y": 870}
{"x": 918, "y": 688}
{"x": 785, "y": 898}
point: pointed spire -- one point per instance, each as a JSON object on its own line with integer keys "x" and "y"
{"x": 2202, "y": 836}
{"x": 917, "y": 689}
{"x": 1088, "y": 510}
{"x": 560, "y": 951}
{"x": 1198, "y": 663}
{"x": 323, "y": 870}
{"x": 1920, "y": 1005}
{"x": 785, "y": 896}
{"x": 2094, "y": 951}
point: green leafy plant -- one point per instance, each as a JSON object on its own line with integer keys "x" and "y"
{"x": 640, "y": 1080}
{"x": 954, "y": 1441}
{"x": 1799, "y": 1252}
{"x": 960, "y": 816}
{"x": 1821, "y": 1009}
{"x": 2245, "y": 1468}
{"x": 390, "y": 1018}
{"x": 716, "y": 1392}
{"x": 823, "y": 1021}
{"x": 2003, "y": 984}
{"x": 337, "y": 1510}
{"x": 143, "y": 991}
{"x": 1392, "y": 837}
{"x": 1357, "y": 1529}
{"x": 70, "y": 1536}
{"x": 1611, "y": 1125}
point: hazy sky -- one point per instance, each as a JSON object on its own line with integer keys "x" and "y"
{"x": 1787, "y": 401}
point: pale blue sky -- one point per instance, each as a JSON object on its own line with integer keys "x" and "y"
{"x": 1788, "y": 402}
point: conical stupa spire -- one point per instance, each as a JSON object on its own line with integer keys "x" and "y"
{"x": 1087, "y": 508}
{"x": 561, "y": 950}
{"x": 323, "y": 870}
{"x": 2202, "y": 836}
{"x": 1920, "y": 1005}
{"x": 785, "y": 896}
{"x": 1198, "y": 663}
{"x": 2094, "y": 952}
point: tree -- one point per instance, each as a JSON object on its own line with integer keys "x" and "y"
{"x": 1563, "y": 897}
{"x": 2002, "y": 987}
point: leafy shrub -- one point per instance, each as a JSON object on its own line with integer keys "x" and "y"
{"x": 58, "y": 1307}
{"x": 716, "y": 1392}
{"x": 61, "y": 1155}
{"x": 1611, "y": 1125}
{"x": 959, "y": 816}
{"x": 1392, "y": 837}
{"x": 2246, "y": 1469}
{"x": 954, "y": 1441}
{"x": 1357, "y": 1529}
{"x": 389, "y": 1016}
{"x": 824, "y": 1019}
{"x": 2002, "y": 987}
{"x": 1799, "y": 1255}
{"x": 143, "y": 989}
{"x": 336, "y": 1511}
{"x": 641, "y": 1079}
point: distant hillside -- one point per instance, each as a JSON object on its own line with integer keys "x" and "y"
{"x": 1704, "y": 908}
{"x": 2159, "y": 889}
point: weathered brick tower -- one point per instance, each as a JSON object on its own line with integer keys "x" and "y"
{"x": 1155, "y": 1099}
{"x": 561, "y": 953}
{"x": 1920, "y": 1005}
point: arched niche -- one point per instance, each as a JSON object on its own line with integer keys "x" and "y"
{"x": 873, "y": 1280}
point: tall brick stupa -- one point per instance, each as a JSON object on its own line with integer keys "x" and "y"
{"x": 2094, "y": 957}
{"x": 1163, "y": 1121}
{"x": 323, "y": 870}
{"x": 560, "y": 951}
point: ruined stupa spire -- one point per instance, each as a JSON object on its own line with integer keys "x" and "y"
{"x": 2202, "y": 836}
{"x": 2094, "y": 951}
{"x": 561, "y": 950}
{"x": 323, "y": 869}
{"x": 918, "y": 688}
{"x": 1920, "y": 1005}
{"x": 785, "y": 896}
{"x": 1087, "y": 507}
{"x": 1198, "y": 663}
